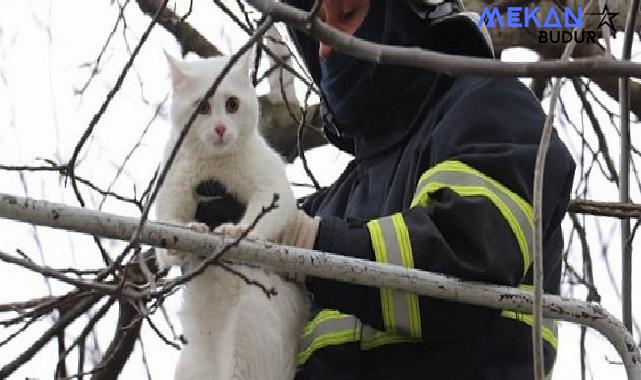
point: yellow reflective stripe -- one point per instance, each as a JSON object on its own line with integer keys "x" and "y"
{"x": 331, "y": 327}
{"x": 549, "y": 329}
{"x": 328, "y": 339}
{"x": 467, "y": 181}
{"x": 323, "y": 315}
{"x": 472, "y": 191}
{"x": 372, "y": 338}
{"x": 548, "y": 332}
{"x": 328, "y": 328}
{"x": 391, "y": 243}
{"x": 455, "y": 165}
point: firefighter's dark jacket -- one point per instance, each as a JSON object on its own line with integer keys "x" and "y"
{"x": 441, "y": 181}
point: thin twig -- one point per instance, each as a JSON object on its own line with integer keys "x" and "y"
{"x": 94, "y": 121}
{"x": 301, "y": 150}
{"x": 52, "y": 273}
{"x": 160, "y": 335}
{"x": 88, "y": 328}
{"x": 144, "y": 359}
{"x": 62, "y": 322}
{"x": 47, "y": 168}
{"x": 22, "y": 305}
{"x": 191, "y": 7}
{"x": 133, "y": 149}
{"x": 95, "y": 69}
{"x": 603, "y": 145}
{"x": 537, "y": 262}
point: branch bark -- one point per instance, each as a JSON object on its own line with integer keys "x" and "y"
{"x": 449, "y": 64}
{"x": 122, "y": 344}
{"x": 326, "y": 265}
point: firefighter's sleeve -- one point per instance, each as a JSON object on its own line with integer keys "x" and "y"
{"x": 470, "y": 216}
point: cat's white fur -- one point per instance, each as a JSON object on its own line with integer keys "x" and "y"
{"x": 233, "y": 331}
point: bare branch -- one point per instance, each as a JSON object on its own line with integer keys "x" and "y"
{"x": 94, "y": 121}
{"x": 448, "y": 64}
{"x": 301, "y": 152}
{"x": 189, "y": 38}
{"x": 327, "y": 265}
{"x": 52, "y": 273}
{"x": 537, "y": 203}
{"x": 65, "y": 319}
{"x": 613, "y": 209}
{"x": 122, "y": 344}
{"x": 22, "y": 305}
{"x": 603, "y": 145}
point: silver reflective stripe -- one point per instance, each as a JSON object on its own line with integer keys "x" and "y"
{"x": 347, "y": 322}
{"x": 467, "y": 181}
{"x": 328, "y": 328}
{"x": 397, "y": 300}
{"x": 392, "y": 245}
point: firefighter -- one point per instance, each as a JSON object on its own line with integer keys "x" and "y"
{"x": 442, "y": 181}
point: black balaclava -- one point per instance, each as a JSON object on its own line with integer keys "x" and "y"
{"x": 346, "y": 81}
{"x": 367, "y": 106}
{"x": 353, "y": 89}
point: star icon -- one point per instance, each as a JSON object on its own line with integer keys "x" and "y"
{"x": 606, "y": 18}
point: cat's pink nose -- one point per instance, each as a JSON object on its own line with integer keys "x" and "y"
{"x": 220, "y": 130}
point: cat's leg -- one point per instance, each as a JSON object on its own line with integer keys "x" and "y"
{"x": 268, "y": 329}
{"x": 171, "y": 257}
{"x": 176, "y": 204}
{"x": 209, "y": 316}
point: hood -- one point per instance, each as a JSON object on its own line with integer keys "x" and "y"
{"x": 364, "y": 103}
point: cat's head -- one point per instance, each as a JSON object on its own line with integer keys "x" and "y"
{"x": 229, "y": 117}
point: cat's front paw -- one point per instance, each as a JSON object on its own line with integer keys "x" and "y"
{"x": 234, "y": 231}
{"x": 197, "y": 227}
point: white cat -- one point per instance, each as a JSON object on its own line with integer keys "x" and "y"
{"x": 233, "y": 331}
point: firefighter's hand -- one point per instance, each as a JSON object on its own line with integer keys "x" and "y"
{"x": 300, "y": 232}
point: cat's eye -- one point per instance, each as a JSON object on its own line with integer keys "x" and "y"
{"x": 204, "y": 108}
{"x": 231, "y": 104}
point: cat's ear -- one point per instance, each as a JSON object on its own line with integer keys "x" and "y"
{"x": 178, "y": 77}
{"x": 244, "y": 63}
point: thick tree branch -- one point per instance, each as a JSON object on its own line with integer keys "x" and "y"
{"x": 189, "y": 39}
{"x": 327, "y": 265}
{"x": 445, "y": 63}
{"x": 122, "y": 344}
